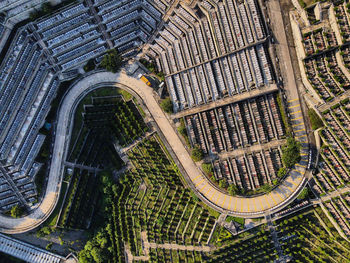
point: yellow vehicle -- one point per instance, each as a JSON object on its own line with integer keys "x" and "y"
{"x": 144, "y": 79}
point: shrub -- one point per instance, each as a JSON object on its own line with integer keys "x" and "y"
{"x": 207, "y": 168}
{"x": 223, "y": 183}
{"x": 167, "y": 105}
{"x": 197, "y": 154}
{"x": 282, "y": 172}
{"x": 16, "y": 211}
{"x": 232, "y": 189}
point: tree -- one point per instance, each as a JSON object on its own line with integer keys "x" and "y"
{"x": 291, "y": 152}
{"x": 316, "y": 121}
{"x": 16, "y": 211}
{"x": 207, "y": 168}
{"x": 167, "y": 105}
{"x": 281, "y": 172}
{"x": 90, "y": 65}
{"x": 112, "y": 61}
{"x": 232, "y": 189}
{"x": 197, "y": 154}
{"x": 304, "y": 194}
{"x": 223, "y": 183}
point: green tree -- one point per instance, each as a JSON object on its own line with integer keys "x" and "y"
{"x": 207, "y": 168}
{"x": 282, "y": 172}
{"x": 232, "y": 189}
{"x": 223, "y": 183}
{"x": 304, "y": 194}
{"x": 291, "y": 152}
{"x": 112, "y": 61}
{"x": 197, "y": 154}
{"x": 16, "y": 211}
{"x": 90, "y": 65}
{"x": 167, "y": 105}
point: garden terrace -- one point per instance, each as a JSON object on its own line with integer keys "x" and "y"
{"x": 236, "y": 125}
{"x": 246, "y": 247}
{"x": 336, "y": 72}
{"x": 80, "y": 201}
{"x": 178, "y": 256}
{"x": 103, "y": 121}
{"x": 150, "y": 199}
{"x": 250, "y": 173}
{"x": 170, "y": 212}
{"x": 306, "y": 238}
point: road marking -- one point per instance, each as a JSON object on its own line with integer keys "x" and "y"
{"x": 303, "y": 154}
{"x": 248, "y": 208}
{"x": 300, "y": 130}
{"x": 223, "y": 203}
{"x": 273, "y": 199}
{"x": 230, "y": 203}
{"x": 261, "y": 203}
{"x": 267, "y": 201}
{"x": 294, "y": 112}
{"x": 290, "y": 107}
{"x": 295, "y": 170}
{"x": 203, "y": 187}
{"x": 196, "y": 177}
{"x": 235, "y": 206}
{"x": 297, "y": 118}
{"x": 197, "y": 184}
{"x": 304, "y": 166}
{"x": 241, "y": 206}
{"x": 206, "y": 193}
{"x": 297, "y": 124}
{"x": 280, "y": 196}
{"x": 300, "y": 136}
{"x": 211, "y": 197}
{"x": 254, "y": 205}
{"x": 293, "y": 100}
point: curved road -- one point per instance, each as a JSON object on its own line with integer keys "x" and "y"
{"x": 240, "y": 206}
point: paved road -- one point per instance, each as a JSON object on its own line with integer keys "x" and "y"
{"x": 248, "y": 207}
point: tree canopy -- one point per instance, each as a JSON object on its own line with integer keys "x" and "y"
{"x": 197, "y": 154}
{"x": 207, "y": 168}
{"x": 112, "y": 61}
{"x": 16, "y": 211}
{"x": 167, "y": 105}
{"x": 291, "y": 152}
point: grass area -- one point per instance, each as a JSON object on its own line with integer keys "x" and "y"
{"x": 238, "y": 220}
{"x": 316, "y": 121}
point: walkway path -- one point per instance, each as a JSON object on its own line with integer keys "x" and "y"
{"x": 246, "y": 207}
{"x": 228, "y": 100}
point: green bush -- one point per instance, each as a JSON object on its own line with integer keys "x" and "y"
{"x": 197, "y": 154}
{"x": 16, "y": 211}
